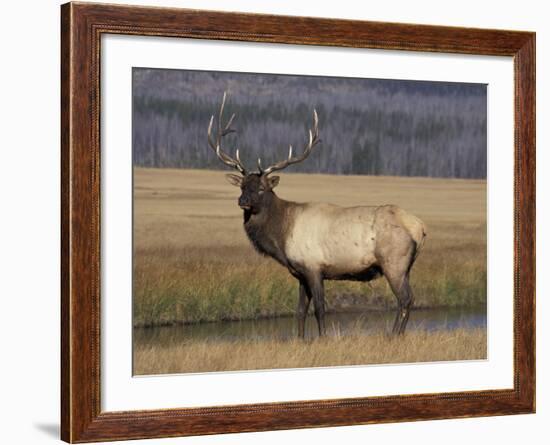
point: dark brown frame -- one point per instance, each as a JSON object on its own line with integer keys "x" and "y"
{"x": 81, "y": 28}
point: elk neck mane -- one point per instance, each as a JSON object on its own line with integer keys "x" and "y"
{"x": 268, "y": 229}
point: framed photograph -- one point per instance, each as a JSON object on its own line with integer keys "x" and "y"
{"x": 274, "y": 222}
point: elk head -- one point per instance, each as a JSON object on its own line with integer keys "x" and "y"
{"x": 256, "y": 186}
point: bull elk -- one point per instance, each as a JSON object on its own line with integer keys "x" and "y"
{"x": 318, "y": 242}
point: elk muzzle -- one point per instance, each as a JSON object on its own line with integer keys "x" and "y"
{"x": 244, "y": 203}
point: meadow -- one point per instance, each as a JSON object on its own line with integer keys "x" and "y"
{"x": 354, "y": 348}
{"x": 193, "y": 262}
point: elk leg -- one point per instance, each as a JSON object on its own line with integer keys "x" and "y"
{"x": 403, "y": 292}
{"x": 303, "y": 305}
{"x": 407, "y": 303}
{"x": 317, "y": 292}
{"x": 404, "y": 318}
{"x": 396, "y": 323}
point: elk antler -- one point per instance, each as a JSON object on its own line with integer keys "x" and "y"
{"x": 223, "y": 131}
{"x": 313, "y": 141}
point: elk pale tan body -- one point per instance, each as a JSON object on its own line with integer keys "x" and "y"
{"x": 318, "y": 242}
{"x": 342, "y": 243}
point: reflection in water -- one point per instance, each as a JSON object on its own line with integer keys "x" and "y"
{"x": 285, "y": 327}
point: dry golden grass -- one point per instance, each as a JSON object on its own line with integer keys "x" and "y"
{"x": 193, "y": 262}
{"x": 353, "y": 349}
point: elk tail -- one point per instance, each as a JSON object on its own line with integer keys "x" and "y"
{"x": 420, "y": 242}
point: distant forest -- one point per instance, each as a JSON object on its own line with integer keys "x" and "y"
{"x": 367, "y": 126}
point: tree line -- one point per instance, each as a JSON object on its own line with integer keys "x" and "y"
{"x": 367, "y": 126}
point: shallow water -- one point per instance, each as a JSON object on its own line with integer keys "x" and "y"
{"x": 337, "y": 323}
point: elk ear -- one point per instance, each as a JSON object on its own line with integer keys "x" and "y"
{"x": 235, "y": 180}
{"x": 273, "y": 181}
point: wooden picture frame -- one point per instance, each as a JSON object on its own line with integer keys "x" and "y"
{"x": 82, "y": 26}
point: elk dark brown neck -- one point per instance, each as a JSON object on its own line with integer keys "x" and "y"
{"x": 267, "y": 229}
